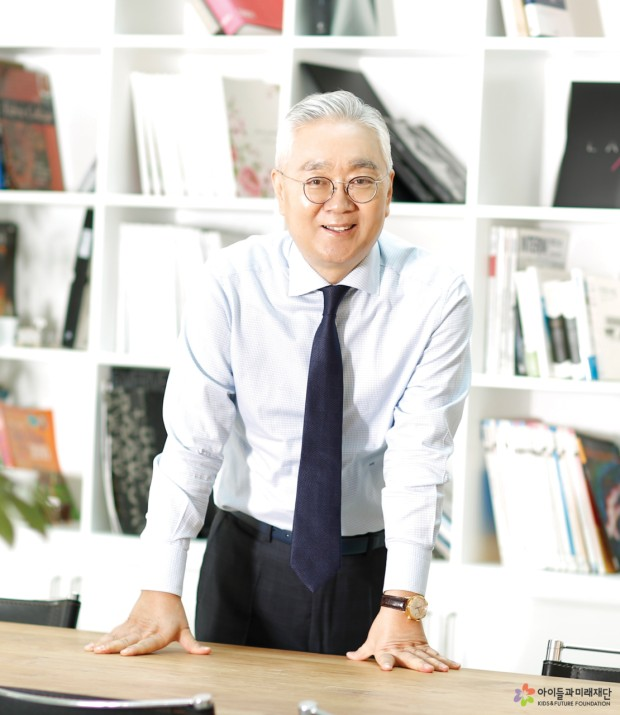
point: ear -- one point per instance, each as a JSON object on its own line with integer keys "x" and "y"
{"x": 278, "y": 188}
{"x": 390, "y": 191}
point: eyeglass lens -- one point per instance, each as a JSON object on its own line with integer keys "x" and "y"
{"x": 361, "y": 189}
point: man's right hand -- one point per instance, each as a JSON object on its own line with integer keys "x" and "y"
{"x": 156, "y": 620}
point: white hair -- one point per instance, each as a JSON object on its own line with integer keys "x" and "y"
{"x": 338, "y": 105}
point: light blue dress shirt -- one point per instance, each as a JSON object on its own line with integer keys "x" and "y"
{"x": 237, "y": 390}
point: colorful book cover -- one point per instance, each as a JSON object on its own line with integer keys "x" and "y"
{"x": 247, "y": 16}
{"x": 30, "y": 143}
{"x": 601, "y": 460}
{"x": 30, "y": 438}
{"x": 252, "y": 109}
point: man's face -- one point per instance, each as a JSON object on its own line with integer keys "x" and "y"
{"x": 336, "y": 236}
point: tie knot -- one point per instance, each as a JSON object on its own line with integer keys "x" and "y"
{"x": 332, "y": 295}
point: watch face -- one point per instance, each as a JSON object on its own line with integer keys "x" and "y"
{"x": 416, "y": 608}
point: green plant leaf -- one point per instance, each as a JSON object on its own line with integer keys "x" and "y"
{"x": 6, "y": 528}
{"x": 34, "y": 514}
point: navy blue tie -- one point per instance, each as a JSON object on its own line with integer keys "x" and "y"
{"x": 315, "y": 549}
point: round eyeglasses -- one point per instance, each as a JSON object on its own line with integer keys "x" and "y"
{"x": 320, "y": 189}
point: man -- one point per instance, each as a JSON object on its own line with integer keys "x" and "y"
{"x": 238, "y": 387}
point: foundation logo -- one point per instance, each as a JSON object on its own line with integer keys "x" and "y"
{"x": 524, "y": 695}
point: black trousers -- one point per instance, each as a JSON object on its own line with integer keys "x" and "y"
{"x": 249, "y": 595}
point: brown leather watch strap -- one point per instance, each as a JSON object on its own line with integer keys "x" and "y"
{"x": 398, "y": 602}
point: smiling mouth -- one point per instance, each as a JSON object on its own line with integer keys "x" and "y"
{"x": 339, "y": 229}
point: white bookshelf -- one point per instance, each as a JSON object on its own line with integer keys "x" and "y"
{"x": 498, "y": 102}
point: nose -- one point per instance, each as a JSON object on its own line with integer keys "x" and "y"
{"x": 340, "y": 197}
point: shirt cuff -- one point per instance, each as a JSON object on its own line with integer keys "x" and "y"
{"x": 407, "y": 568}
{"x": 162, "y": 566}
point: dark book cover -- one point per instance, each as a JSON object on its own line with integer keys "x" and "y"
{"x": 8, "y": 248}
{"x": 447, "y": 171}
{"x": 408, "y": 185}
{"x": 403, "y": 143}
{"x": 589, "y": 175}
{"x": 601, "y": 461}
{"x": 29, "y": 139}
{"x": 321, "y": 14}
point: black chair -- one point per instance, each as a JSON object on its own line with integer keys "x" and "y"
{"x": 31, "y": 702}
{"x": 554, "y": 665}
{"x": 63, "y": 613}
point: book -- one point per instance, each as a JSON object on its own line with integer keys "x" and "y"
{"x": 589, "y": 174}
{"x": 548, "y": 18}
{"x": 251, "y": 17}
{"x": 587, "y": 358}
{"x": 532, "y": 313}
{"x": 601, "y": 460}
{"x": 524, "y": 484}
{"x": 438, "y": 175}
{"x": 596, "y": 550}
{"x": 603, "y": 298}
{"x": 77, "y": 303}
{"x": 513, "y": 248}
{"x": 545, "y": 516}
{"x": 207, "y": 18}
{"x": 5, "y": 65}
{"x": 321, "y": 13}
{"x": 133, "y": 435}
{"x": 158, "y": 265}
{"x": 8, "y": 248}
{"x": 446, "y": 162}
{"x": 176, "y": 156}
{"x": 252, "y": 110}
{"x": 501, "y": 300}
{"x": 424, "y": 185}
{"x": 515, "y": 22}
{"x": 31, "y": 155}
{"x": 28, "y": 438}
{"x": 564, "y": 349}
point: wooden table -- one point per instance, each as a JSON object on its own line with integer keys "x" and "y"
{"x": 253, "y": 681}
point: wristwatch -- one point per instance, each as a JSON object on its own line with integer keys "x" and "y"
{"x": 414, "y": 606}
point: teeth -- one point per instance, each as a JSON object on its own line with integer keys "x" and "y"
{"x": 338, "y": 228}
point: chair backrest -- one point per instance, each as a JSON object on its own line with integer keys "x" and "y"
{"x": 32, "y": 702}
{"x": 63, "y": 613}
{"x": 554, "y": 665}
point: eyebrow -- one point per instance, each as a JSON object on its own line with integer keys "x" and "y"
{"x": 324, "y": 165}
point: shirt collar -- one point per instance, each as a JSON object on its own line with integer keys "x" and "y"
{"x": 304, "y": 279}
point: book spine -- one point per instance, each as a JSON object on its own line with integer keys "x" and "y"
{"x": 80, "y": 279}
{"x": 584, "y": 331}
{"x": 8, "y": 247}
{"x": 321, "y": 17}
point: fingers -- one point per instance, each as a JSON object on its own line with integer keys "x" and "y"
{"x": 362, "y": 653}
{"x": 136, "y": 643}
{"x": 129, "y": 642}
{"x": 191, "y": 645}
{"x": 421, "y": 658}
